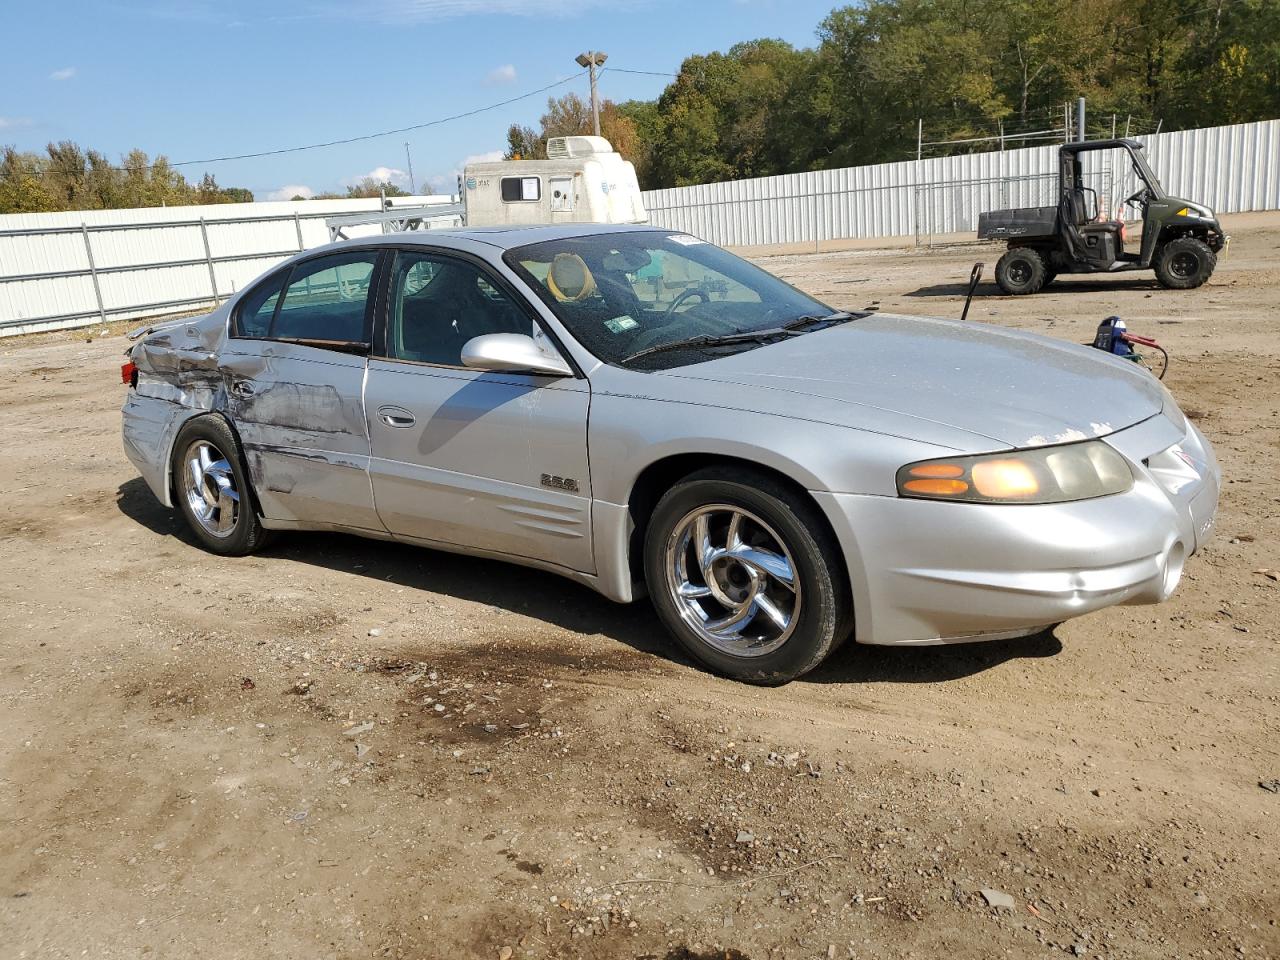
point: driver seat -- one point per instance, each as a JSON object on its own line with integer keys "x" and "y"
{"x": 1098, "y": 239}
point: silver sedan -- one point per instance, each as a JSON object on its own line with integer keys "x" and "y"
{"x": 641, "y": 411}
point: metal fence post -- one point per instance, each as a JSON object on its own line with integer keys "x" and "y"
{"x": 297, "y": 223}
{"x": 816, "y": 232}
{"x": 93, "y": 272}
{"x": 208, "y": 258}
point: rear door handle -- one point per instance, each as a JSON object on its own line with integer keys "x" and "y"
{"x": 396, "y": 417}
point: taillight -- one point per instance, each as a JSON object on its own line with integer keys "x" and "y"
{"x": 129, "y": 373}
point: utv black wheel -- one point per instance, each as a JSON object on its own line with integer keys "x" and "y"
{"x": 1185, "y": 263}
{"x": 746, "y": 575}
{"x": 211, "y": 488}
{"x": 1020, "y": 271}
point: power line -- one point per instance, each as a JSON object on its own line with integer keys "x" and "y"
{"x": 382, "y": 133}
{"x": 316, "y": 146}
{"x": 642, "y": 73}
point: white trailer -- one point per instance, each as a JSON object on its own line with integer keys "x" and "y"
{"x": 583, "y": 180}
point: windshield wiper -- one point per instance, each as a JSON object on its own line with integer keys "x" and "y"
{"x": 840, "y": 316}
{"x": 707, "y": 340}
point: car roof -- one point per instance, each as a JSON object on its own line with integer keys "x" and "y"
{"x": 507, "y": 237}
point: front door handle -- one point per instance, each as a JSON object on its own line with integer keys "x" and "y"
{"x": 396, "y": 417}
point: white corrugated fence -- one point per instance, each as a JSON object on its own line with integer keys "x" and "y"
{"x": 1233, "y": 169}
{"x": 82, "y": 267}
{"x": 78, "y": 268}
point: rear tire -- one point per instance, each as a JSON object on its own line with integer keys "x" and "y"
{"x": 211, "y": 488}
{"x": 766, "y": 598}
{"x": 1185, "y": 263}
{"x": 1021, "y": 271}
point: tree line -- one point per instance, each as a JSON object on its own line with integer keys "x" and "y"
{"x": 967, "y": 68}
{"x": 68, "y": 177}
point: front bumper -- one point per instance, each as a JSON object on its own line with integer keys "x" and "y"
{"x": 926, "y": 572}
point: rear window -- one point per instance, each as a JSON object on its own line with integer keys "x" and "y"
{"x": 258, "y": 307}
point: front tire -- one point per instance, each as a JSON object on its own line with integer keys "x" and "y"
{"x": 746, "y": 576}
{"x": 1021, "y": 271}
{"x": 211, "y": 488}
{"x": 1185, "y": 263}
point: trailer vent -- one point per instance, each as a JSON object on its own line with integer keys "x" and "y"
{"x": 566, "y": 148}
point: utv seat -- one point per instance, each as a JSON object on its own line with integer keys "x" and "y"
{"x": 1090, "y": 236}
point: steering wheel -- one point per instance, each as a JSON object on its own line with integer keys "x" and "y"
{"x": 691, "y": 292}
{"x": 1140, "y": 195}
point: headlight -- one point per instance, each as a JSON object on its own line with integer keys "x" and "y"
{"x": 1076, "y": 471}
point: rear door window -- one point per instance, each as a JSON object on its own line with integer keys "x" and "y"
{"x": 327, "y": 299}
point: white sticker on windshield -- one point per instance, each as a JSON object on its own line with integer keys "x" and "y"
{"x": 685, "y": 240}
{"x": 619, "y": 324}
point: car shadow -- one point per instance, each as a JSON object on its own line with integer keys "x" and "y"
{"x": 1079, "y": 283}
{"x": 556, "y": 600}
{"x": 505, "y": 586}
{"x": 856, "y": 663}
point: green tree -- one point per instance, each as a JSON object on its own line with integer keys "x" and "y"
{"x": 22, "y": 188}
{"x": 369, "y": 188}
{"x": 570, "y": 116}
{"x": 68, "y": 177}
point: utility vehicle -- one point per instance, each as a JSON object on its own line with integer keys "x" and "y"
{"x": 1181, "y": 240}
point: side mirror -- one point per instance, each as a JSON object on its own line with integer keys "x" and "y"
{"x": 514, "y": 352}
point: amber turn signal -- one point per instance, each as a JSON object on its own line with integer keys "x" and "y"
{"x": 937, "y": 471}
{"x": 937, "y": 488}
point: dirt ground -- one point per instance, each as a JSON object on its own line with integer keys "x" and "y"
{"x": 346, "y": 749}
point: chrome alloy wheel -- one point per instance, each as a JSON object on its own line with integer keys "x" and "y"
{"x": 733, "y": 580}
{"x": 209, "y": 484}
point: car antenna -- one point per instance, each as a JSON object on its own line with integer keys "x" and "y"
{"x": 974, "y": 276}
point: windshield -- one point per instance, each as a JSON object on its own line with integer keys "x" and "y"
{"x": 632, "y": 298}
{"x": 1142, "y": 170}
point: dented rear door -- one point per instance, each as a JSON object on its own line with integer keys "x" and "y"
{"x": 300, "y": 415}
{"x": 294, "y": 371}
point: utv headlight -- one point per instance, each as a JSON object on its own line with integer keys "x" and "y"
{"x": 1076, "y": 471}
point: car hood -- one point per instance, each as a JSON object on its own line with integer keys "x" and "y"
{"x": 1017, "y": 389}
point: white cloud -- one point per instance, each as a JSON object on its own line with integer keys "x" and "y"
{"x": 66, "y": 73}
{"x": 503, "y": 74}
{"x": 448, "y": 182}
{"x": 9, "y": 123}
{"x": 291, "y": 190}
{"x": 489, "y": 157}
{"x": 382, "y": 175}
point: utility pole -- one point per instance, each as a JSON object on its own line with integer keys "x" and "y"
{"x": 413, "y": 186}
{"x": 592, "y": 59}
{"x": 1081, "y": 133}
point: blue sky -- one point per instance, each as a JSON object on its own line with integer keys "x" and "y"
{"x": 195, "y": 79}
